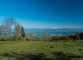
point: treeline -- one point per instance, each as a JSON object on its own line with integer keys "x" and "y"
{"x": 11, "y": 30}
{"x": 74, "y": 37}
{"x": 46, "y": 37}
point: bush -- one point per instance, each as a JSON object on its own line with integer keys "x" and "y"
{"x": 65, "y": 38}
{"x": 13, "y": 38}
{"x": 59, "y": 38}
{"x": 28, "y": 39}
{"x": 55, "y": 38}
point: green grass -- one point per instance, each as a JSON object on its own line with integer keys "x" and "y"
{"x": 40, "y": 50}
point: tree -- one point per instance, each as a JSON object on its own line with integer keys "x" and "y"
{"x": 22, "y": 32}
{"x": 77, "y": 36}
{"x": 45, "y": 36}
{"x": 1, "y": 29}
{"x": 17, "y": 30}
{"x": 9, "y": 23}
{"x": 31, "y": 36}
{"x": 81, "y": 35}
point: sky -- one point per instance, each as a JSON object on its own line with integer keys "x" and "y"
{"x": 44, "y": 13}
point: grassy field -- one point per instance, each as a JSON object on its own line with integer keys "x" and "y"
{"x": 40, "y": 50}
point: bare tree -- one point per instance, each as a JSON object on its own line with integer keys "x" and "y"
{"x": 9, "y": 23}
{"x": 17, "y": 30}
{"x": 1, "y": 29}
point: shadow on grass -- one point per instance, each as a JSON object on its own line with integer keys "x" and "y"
{"x": 40, "y": 56}
{"x": 67, "y": 56}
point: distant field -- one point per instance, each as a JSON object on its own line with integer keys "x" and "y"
{"x": 40, "y": 50}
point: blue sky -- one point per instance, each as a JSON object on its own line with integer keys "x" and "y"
{"x": 44, "y": 13}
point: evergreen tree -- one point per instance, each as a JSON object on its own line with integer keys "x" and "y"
{"x": 22, "y": 32}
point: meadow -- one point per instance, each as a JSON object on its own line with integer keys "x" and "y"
{"x": 41, "y": 50}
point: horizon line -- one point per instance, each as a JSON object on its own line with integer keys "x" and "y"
{"x": 50, "y": 27}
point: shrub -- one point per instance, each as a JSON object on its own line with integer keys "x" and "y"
{"x": 28, "y": 39}
{"x": 59, "y": 38}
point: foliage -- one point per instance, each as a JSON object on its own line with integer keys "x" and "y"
{"x": 81, "y": 36}
{"x": 77, "y": 36}
{"x": 45, "y": 36}
{"x": 58, "y": 38}
{"x": 22, "y": 32}
{"x": 6, "y": 33}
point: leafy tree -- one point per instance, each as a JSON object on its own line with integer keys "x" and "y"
{"x": 81, "y": 36}
{"x": 22, "y": 32}
{"x": 77, "y": 36}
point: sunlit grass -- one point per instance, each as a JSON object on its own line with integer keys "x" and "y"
{"x": 14, "y": 50}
